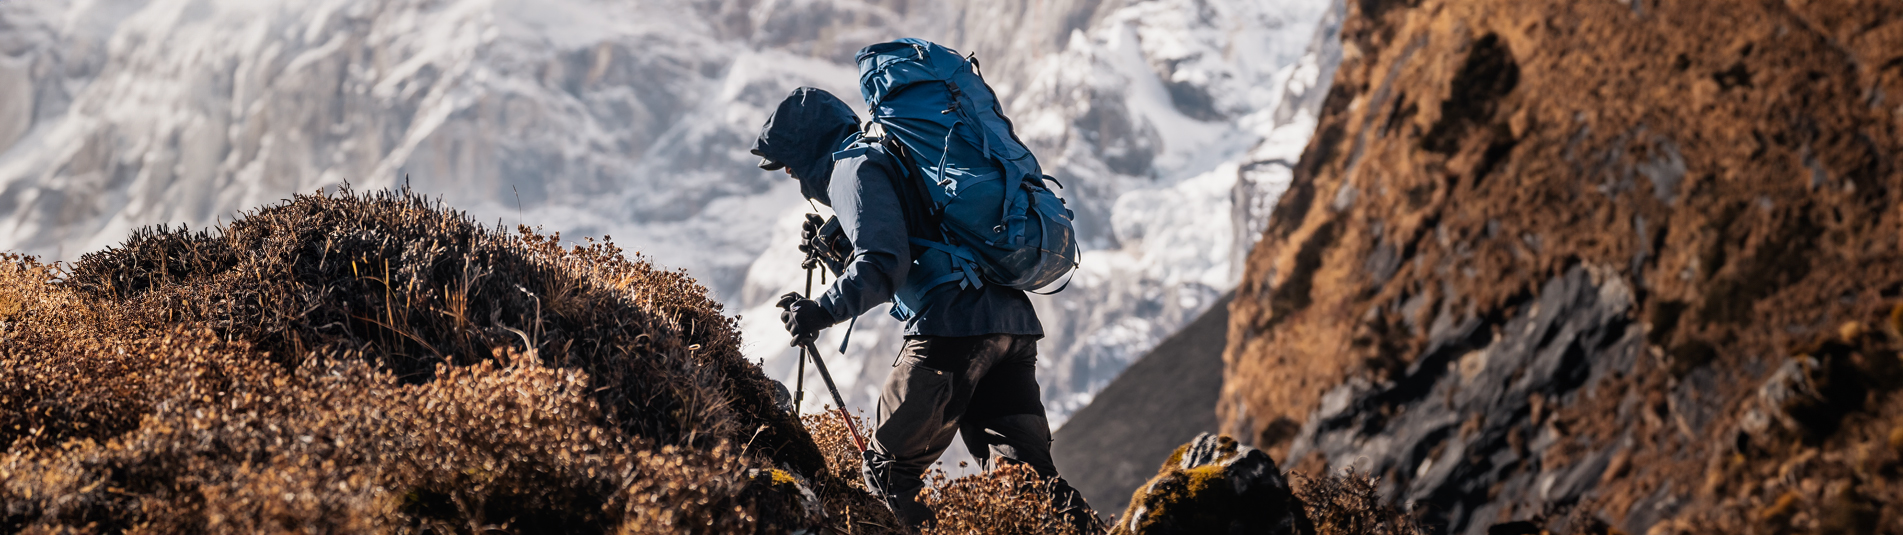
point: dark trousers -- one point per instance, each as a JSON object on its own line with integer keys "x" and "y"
{"x": 981, "y": 387}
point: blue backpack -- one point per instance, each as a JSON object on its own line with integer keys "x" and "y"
{"x": 999, "y": 220}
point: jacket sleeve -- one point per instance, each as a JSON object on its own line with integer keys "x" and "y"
{"x": 869, "y": 211}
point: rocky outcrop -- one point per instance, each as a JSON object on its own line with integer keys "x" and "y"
{"x": 1598, "y": 264}
{"x": 1215, "y": 485}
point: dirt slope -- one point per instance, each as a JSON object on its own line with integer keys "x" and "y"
{"x": 1629, "y": 261}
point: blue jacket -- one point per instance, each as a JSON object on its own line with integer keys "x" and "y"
{"x": 806, "y": 131}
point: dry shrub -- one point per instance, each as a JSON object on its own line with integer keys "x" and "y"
{"x": 842, "y": 489}
{"x": 379, "y": 363}
{"x": 68, "y": 378}
{"x": 1010, "y": 499}
{"x": 1346, "y": 503}
{"x": 410, "y": 284}
{"x": 835, "y": 443}
{"x": 243, "y": 445}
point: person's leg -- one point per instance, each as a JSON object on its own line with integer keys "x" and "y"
{"x": 929, "y": 387}
{"x": 1006, "y": 415}
{"x": 1006, "y": 421}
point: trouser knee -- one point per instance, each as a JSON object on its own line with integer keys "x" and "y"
{"x": 1023, "y": 438}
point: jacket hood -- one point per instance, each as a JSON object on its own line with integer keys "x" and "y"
{"x": 803, "y": 133}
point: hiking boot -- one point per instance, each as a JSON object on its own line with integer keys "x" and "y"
{"x": 1070, "y": 505}
{"x": 899, "y": 492}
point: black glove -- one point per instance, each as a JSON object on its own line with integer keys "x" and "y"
{"x": 803, "y": 318}
{"x": 824, "y": 243}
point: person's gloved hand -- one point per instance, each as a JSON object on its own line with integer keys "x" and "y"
{"x": 824, "y": 243}
{"x": 803, "y": 318}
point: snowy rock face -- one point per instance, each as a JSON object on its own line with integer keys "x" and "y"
{"x": 1172, "y": 124}
{"x": 1177, "y": 143}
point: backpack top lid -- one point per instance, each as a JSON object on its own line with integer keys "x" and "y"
{"x": 923, "y": 61}
{"x": 920, "y": 90}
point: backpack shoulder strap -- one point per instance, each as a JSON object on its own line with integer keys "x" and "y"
{"x": 923, "y": 219}
{"x": 922, "y": 216}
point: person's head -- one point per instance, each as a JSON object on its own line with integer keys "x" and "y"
{"x": 800, "y": 138}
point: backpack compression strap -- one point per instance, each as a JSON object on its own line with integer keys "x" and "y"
{"x": 964, "y": 275}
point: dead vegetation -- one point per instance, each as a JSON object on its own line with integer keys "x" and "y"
{"x": 380, "y": 363}
{"x": 843, "y": 490}
{"x": 1345, "y": 503}
{"x": 410, "y": 285}
{"x": 1011, "y": 499}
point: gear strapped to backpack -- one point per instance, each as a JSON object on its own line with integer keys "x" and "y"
{"x": 994, "y": 213}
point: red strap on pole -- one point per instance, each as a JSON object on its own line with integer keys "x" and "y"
{"x": 858, "y": 440}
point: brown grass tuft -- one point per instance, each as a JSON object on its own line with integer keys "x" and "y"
{"x": 410, "y": 284}
{"x": 1013, "y": 499}
{"x": 1346, "y": 503}
{"x": 841, "y": 488}
{"x": 836, "y": 445}
{"x": 381, "y": 363}
{"x": 1009, "y": 499}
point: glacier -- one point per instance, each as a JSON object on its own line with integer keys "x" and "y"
{"x": 1172, "y": 124}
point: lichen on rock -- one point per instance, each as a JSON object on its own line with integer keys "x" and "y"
{"x": 1215, "y": 485}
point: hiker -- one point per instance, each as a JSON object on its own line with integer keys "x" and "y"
{"x": 968, "y": 365}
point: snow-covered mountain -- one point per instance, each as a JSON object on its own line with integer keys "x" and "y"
{"x": 631, "y": 119}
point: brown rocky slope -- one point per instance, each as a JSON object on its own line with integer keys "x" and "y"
{"x": 1618, "y": 265}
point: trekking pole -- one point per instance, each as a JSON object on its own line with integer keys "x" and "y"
{"x": 858, "y": 440}
{"x": 799, "y": 383}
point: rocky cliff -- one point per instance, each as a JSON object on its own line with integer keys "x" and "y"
{"x": 1609, "y": 264}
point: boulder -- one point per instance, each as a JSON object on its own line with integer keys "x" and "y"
{"x": 1214, "y": 485}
